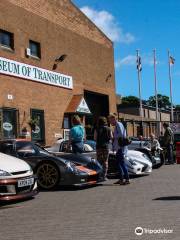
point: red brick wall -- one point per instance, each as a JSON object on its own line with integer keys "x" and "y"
{"x": 65, "y": 14}
{"x": 89, "y": 58}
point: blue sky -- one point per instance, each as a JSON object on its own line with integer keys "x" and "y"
{"x": 143, "y": 25}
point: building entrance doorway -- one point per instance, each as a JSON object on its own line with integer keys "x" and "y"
{"x": 99, "y": 106}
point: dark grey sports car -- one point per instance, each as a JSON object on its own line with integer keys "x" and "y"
{"x": 51, "y": 170}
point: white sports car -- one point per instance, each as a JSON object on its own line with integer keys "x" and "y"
{"x": 16, "y": 179}
{"x": 137, "y": 163}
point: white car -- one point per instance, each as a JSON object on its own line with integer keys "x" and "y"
{"x": 137, "y": 163}
{"x": 16, "y": 179}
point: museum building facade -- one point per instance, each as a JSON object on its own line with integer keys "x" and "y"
{"x": 54, "y": 63}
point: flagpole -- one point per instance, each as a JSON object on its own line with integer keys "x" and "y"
{"x": 155, "y": 83}
{"x": 139, "y": 84}
{"x": 170, "y": 80}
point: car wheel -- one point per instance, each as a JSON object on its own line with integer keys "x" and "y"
{"x": 48, "y": 175}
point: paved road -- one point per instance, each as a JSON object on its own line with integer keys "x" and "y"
{"x": 104, "y": 212}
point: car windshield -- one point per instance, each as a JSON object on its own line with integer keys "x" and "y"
{"x": 41, "y": 150}
{"x": 6, "y": 147}
{"x": 89, "y": 146}
{"x": 29, "y": 148}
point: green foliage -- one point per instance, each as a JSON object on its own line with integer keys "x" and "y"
{"x": 33, "y": 122}
{"x": 130, "y": 100}
{"x": 163, "y": 101}
{"x": 177, "y": 107}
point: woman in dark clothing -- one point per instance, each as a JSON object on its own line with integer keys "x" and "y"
{"x": 102, "y": 136}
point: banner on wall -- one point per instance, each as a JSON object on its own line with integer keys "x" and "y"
{"x": 22, "y": 70}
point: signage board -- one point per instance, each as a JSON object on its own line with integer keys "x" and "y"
{"x": 83, "y": 107}
{"x": 175, "y": 127}
{"x": 22, "y": 70}
{"x": 7, "y": 126}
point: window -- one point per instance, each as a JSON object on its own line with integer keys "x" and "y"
{"x": 35, "y": 49}
{"x": 66, "y": 122}
{"x": 9, "y": 120}
{"x": 6, "y": 39}
{"x": 25, "y": 149}
{"x": 66, "y": 134}
{"x": 38, "y": 133}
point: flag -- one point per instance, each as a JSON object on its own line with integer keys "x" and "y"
{"x": 171, "y": 60}
{"x": 139, "y": 67}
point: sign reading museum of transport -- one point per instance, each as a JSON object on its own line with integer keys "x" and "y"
{"x": 21, "y": 70}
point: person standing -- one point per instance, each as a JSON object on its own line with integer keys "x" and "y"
{"x": 140, "y": 141}
{"x": 168, "y": 141}
{"x": 77, "y": 135}
{"x": 102, "y": 136}
{"x": 153, "y": 144}
{"x": 121, "y": 151}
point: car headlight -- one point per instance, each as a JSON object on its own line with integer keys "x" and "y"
{"x": 4, "y": 173}
{"x": 30, "y": 169}
{"x": 96, "y": 162}
{"x": 71, "y": 167}
{"x": 132, "y": 162}
{"x": 146, "y": 157}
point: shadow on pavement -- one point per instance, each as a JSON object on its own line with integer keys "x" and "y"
{"x": 138, "y": 176}
{"x": 169, "y": 198}
{"x": 70, "y": 188}
{"x": 13, "y": 204}
{"x": 130, "y": 176}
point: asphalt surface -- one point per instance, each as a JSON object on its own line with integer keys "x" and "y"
{"x": 103, "y": 212}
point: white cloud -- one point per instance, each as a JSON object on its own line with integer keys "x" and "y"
{"x": 130, "y": 60}
{"x": 108, "y": 24}
{"x": 148, "y": 59}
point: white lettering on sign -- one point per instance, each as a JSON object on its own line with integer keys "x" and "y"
{"x": 21, "y": 70}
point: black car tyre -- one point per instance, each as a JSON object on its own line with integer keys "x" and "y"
{"x": 48, "y": 176}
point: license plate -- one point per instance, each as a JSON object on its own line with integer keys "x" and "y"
{"x": 25, "y": 182}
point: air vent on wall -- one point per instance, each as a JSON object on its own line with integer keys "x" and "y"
{"x": 28, "y": 51}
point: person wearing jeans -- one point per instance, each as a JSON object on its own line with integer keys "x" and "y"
{"x": 123, "y": 171}
{"x": 168, "y": 141}
{"x": 119, "y": 132}
{"x": 102, "y": 136}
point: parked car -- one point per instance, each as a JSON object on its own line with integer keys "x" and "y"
{"x": 157, "y": 158}
{"x": 54, "y": 170}
{"x": 16, "y": 179}
{"x": 136, "y": 144}
{"x": 137, "y": 162}
{"x": 61, "y": 146}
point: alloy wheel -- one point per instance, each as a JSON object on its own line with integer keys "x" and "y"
{"x": 48, "y": 176}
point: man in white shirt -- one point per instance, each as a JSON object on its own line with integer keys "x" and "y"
{"x": 119, "y": 132}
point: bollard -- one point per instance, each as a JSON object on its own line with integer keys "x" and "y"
{"x": 178, "y": 152}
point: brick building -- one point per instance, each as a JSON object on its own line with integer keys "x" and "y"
{"x": 54, "y": 62}
{"x": 147, "y": 124}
